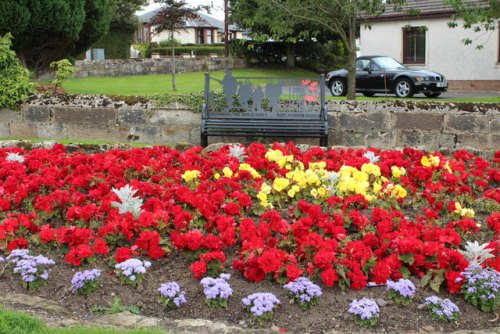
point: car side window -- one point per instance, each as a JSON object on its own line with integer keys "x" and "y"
{"x": 359, "y": 65}
{"x": 374, "y": 67}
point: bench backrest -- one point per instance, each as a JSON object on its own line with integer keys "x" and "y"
{"x": 264, "y": 97}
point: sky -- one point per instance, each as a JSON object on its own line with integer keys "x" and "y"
{"x": 217, "y": 11}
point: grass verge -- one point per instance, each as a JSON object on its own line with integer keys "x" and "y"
{"x": 15, "y": 322}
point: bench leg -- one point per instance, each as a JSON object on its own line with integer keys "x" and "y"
{"x": 324, "y": 141}
{"x": 204, "y": 140}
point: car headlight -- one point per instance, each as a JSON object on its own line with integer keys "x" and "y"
{"x": 422, "y": 78}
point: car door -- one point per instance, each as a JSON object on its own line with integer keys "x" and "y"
{"x": 362, "y": 66}
{"x": 375, "y": 78}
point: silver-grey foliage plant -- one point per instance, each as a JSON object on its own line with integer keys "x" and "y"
{"x": 129, "y": 203}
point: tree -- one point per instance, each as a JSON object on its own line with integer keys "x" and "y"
{"x": 268, "y": 22}
{"x": 49, "y": 30}
{"x": 172, "y": 17}
{"x": 339, "y": 17}
{"x": 14, "y": 78}
{"x": 478, "y": 16}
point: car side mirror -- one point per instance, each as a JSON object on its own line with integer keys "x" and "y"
{"x": 367, "y": 69}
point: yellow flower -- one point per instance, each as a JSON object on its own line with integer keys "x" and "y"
{"x": 377, "y": 186}
{"x": 434, "y": 160}
{"x": 280, "y": 183}
{"x": 317, "y": 165}
{"x": 252, "y": 171}
{"x": 291, "y": 193}
{"x": 312, "y": 178}
{"x": 371, "y": 169}
{"x": 190, "y": 175}
{"x": 314, "y": 192}
{"x": 265, "y": 188}
{"x": 458, "y": 208}
{"x": 216, "y": 176}
{"x": 227, "y": 172}
{"x": 322, "y": 192}
{"x": 399, "y": 191}
{"x": 467, "y": 213}
{"x": 425, "y": 162}
{"x": 398, "y": 171}
{"x": 447, "y": 167}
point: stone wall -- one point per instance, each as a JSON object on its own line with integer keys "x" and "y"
{"x": 388, "y": 125}
{"x": 124, "y": 67}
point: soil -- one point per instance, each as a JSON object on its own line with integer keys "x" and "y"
{"x": 329, "y": 314}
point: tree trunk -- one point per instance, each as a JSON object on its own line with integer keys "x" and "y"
{"x": 290, "y": 55}
{"x": 351, "y": 60}
{"x": 174, "y": 87}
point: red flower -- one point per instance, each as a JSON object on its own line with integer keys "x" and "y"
{"x": 293, "y": 272}
{"x": 329, "y": 277}
{"x": 454, "y": 281}
{"x": 198, "y": 268}
{"x": 123, "y": 254}
{"x": 100, "y": 246}
{"x": 17, "y": 243}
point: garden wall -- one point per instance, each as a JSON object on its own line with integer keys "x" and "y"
{"x": 388, "y": 125}
{"x": 123, "y": 67}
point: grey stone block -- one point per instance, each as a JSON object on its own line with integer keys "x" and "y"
{"x": 171, "y": 116}
{"x": 418, "y": 139}
{"x": 466, "y": 123}
{"x": 146, "y": 133}
{"x": 475, "y": 140}
{"x": 352, "y": 138}
{"x": 36, "y": 113}
{"x": 23, "y": 130}
{"x": 7, "y": 116}
{"x": 381, "y": 139}
{"x": 495, "y": 124}
{"x": 418, "y": 121}
{"x": 366, "y": 122}
{"x": 175, "y": 133}
{"x": 132, "y": 116}
{"x": 98, "y": 117}
{"x": 5, "y": 130}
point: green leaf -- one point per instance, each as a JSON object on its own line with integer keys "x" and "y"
{"x": 407, "y": 258}
{"x": 437, "y": 280}
{"x": 405, "y": 272}
{"x": 427, "y": 277}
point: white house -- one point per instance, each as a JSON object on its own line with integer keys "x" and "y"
{"x": 425, "y": 41}
{"x": 204, "y": 30}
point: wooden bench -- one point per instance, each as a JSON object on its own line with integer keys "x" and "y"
{"x": 265, "y": 107}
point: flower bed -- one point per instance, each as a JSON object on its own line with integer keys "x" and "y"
{"x": 340, "y": 217}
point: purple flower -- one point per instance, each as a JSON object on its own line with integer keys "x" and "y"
{"x": 304, "y": 292}
{"x": 86, "y": 281}
{"x": 171, "y": 293}
{"x": 401, "y": 291}
{"x": 31, "y": 268}
{"x": 481, "y": 287}
{"x": 261, "y": 304}
{"x": 217, "y": 290}
{"x": 366, "y": 311}
{"x": 132, "y": 270}
{"x": 1, "y": 259}
{"x": 442, "y": 309}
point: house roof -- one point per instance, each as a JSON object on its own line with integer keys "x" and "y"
{"x": 204, "y": 21}
{"x": 426, "y": 8}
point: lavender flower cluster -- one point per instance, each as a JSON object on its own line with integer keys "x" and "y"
{"x": 261, "y": 305}
{"x": 401, "y": 291}
{"x": 304, "y": 292}
{"x": 132, "y": 270}
{"x": 481, "y": 287}
{"x": 85, "y": 282}
{"x": 442, "y": 309}
{"x": 33, "y": 269}
{"x": 366, "y": 311}
{"x": 171, "y": 295}
{"x": 217, "y": 290}
{"x": 1, "y": 259}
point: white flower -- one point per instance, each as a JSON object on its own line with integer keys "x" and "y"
{"x": 371, "y": 156}
{"x": 129, "y": 203}
{"x": 476, "y": 253}
{"x": 15, "y": 157}
{"x": 237, "y": 151}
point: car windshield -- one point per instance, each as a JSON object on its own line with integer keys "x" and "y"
{"x": 387, "y": 63}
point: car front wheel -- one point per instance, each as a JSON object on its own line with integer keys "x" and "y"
{"x": 432, "y": 95}
{"x": 338, "y": 87}
{"x": 404, "y": 88}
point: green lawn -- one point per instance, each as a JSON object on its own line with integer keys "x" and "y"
{"x": 14, "y": 322}
{"x": 145, "y": 85}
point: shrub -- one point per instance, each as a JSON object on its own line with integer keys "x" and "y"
{"x": 64, "y": 70}
{"x": 14, "y": 78}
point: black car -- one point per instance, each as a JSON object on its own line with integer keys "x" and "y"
{"x": 381, "y": 74}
